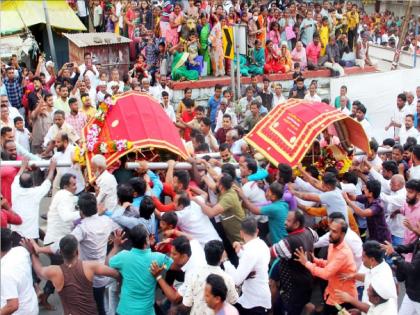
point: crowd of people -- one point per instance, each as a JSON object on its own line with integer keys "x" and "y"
{"x": 183, "y": 39}
{"x": 233, "y": 235}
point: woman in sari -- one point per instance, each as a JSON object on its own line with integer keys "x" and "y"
{"x": 175, "y": 21}
{"x": 285, "y": 57}
{"x": 286, "y": 22}
{"x": 299, "y": 55}
{"x": 204, "y": 42}
{"x": 179, "y": 68}
{"x": 256, "y": 65}
{"x": 216, "y": 49}
{"x": 272, "y": 59}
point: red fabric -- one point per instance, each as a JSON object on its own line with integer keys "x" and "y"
{"x": 152, "y": 128}
{"x": 187, "y": 117}
{"x": 167, "y": 247}
{"x": 8, "y": 217}
{"x": 288, "y": 131}
{"x": 168, "y": 190}
{"x": 8, "y": 174}
{"x": 272, "y": 63}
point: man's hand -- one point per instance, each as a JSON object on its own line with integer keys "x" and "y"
{"x": 119, "y": 238}
{"x": 25, "y": 164}
{"x": 101, "y": 208}
{"x": 171, "y": 163}
{"x": 346, "y": 276}
{"x": 239, "y": 191}
{"x": 143, "y": 167}
{"x": 25, "y": 242}
{"x": 301, "y": 256}
{"x": 155, "y": 270}
{"x": 53, "y": 164}
{"x": 415, "y": 227}
{"x": 344, "y": 296}
{"x": 237, "y": 246}
{"x": 389, "y": 250}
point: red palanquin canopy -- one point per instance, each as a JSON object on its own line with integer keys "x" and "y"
{"x": 289, "y": 129}
{"x": 141, "y": 120}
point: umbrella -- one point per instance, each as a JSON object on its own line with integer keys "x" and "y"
{"x": 286, "y": 133}
{"x": 135, "y": 122}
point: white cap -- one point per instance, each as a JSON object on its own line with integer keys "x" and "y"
{"x": 283, "y": 43}
{"x": 101, "y": 83}
{"x": 384, "y": 287}
{"x": 114, "y": 83}
{"x": 49, "y": 64}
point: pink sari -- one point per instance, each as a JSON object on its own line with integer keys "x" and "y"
{"x": 172, "y": 33}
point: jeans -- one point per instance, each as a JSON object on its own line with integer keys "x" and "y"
{"x": 99, "y": 295}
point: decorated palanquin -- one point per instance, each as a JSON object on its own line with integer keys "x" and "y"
{"x": 290, "y": 130}
{"x": 132, "y": 122}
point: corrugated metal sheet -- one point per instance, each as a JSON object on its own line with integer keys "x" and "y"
{"x": 96, "y": 39}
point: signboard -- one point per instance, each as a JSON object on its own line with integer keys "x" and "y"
{"x": 228, "y": 49}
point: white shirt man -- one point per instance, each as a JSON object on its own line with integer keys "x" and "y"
{"x": 16, "y": 281}
{"x": 61, "y": 215}
{"x": 65, "y": 128}
{"x": 67, "y": 157}
{"x": 196, "y": 260}
{"x": 256, "y": 196}
{"x": 219, "y": 118}
{"x": 107, "y": 190}
{"x": 253, "y": 257}
{"x": 314, "y": 98}
{"x": 194, "y": 222}
{"x": 382, "y": 273}
{"x": 278, "y": 99}
{"x": 367, "y": 127}
{"x": 406, "y": 133}
{"x": 157, "y": 90}
{"x": 194, "y": 295}
{"x": 394, "y": 201}
{"x": 26, "y": 203}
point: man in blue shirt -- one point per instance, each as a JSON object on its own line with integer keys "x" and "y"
{"x": 139, "y": 285}
{"x": 276, "y": 211}
{"x": 14, "y": 87}
{"x": 213, "y": 105}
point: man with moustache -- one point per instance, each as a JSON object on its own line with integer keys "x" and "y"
{"x": 340, "y": 261}
{"x": 290, "y": 282}
{"x": 64, "y": 153}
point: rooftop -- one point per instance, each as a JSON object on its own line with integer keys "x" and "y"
{"x": 95, "y": 39}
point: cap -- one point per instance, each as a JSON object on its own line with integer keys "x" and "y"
{"x": 101, "y": 83}
{"x": 114, "y": 83}
{"x": 384, "y": 287}
{"x": 284, "y": 43}
{"x": 49, "y": 64}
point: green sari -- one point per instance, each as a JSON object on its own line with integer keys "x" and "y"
{"x": 204, "y": 51}
{"x": 179, "y": 70}
{"x": 257, "y": 67}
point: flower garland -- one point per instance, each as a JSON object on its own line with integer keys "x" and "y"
{"x": 333, "y": 156}
{"x": 92, "y": 138}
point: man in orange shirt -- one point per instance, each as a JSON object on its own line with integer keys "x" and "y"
{"x": 340, "y": 260}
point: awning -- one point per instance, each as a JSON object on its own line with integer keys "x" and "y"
{"x": 288, "y": 130}
{"x": 16, "y": 15}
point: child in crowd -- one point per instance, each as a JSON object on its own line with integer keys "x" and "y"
{"x": 22, "y": 134}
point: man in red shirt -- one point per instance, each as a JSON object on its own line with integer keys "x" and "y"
{"x": 226, "y": 126}
{"x": 8, "y": 173}
{"x": 313, "y": 51}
